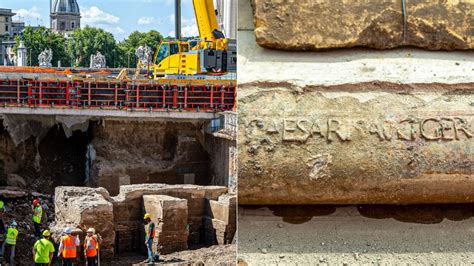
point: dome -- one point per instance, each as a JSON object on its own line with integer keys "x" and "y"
{"x": 65, "y": 6}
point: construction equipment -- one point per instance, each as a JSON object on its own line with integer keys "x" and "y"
{"x": 212, "y": 54}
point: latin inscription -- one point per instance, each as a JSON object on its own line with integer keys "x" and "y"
{"x": 298, "y": 129}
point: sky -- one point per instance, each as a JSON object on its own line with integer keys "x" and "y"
{"x": 119, "y": 17}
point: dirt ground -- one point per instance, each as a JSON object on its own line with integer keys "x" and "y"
{"x": 20, "y": 211}
{"x": 357, "y": 235}
{"x": 214, "y": 255}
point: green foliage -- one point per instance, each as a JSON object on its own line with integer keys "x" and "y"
{"x": 82, "y": 43}
{"x": 38, "y": 39}
{"x": 134, "y": 40}
{"x": 87, "y": 41}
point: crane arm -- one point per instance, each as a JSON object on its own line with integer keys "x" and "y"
{"x": 206, "y": 19}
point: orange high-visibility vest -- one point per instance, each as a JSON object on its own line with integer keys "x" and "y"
{"x": 91, "y": 252}
{"x": 69, "y": 246}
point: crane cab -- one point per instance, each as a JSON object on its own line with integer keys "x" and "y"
{"x": 176, "y": 57}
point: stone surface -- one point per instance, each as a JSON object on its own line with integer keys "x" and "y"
{"x": 15, "y": 180}
{"x": 356, "y": 143}
{"x": 120, "y": 219}
{"x": 220, "y": 222}
{"x": 315, "y": 25}
{"x": 12, "y": 192}
{"x": 223, "y": 209}
{"x": 81, "y": 206}
{"x": 171, "y": 233}
{"x": 137, "y": 152}
{"x": 125, "y": 203}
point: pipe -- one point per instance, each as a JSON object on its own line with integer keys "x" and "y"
{"x": 177, "y": 19}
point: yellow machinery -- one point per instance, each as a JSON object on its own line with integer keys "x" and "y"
{"x": 211, "y": 54}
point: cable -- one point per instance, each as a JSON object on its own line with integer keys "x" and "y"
{"x": 404, "y": 13}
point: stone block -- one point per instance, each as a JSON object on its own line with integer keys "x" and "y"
{"x": 325, "y": 24}
{"x": 77, "y": 206}
{"x": 171, "y": 233}
{"x": 363, "y": 143}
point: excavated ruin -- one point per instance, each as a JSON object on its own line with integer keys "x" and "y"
{"x": 192, "y": 215}
{"x": 83, "y": 170}
{"x": 110, "y": 153}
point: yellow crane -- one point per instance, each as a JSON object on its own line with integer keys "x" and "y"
{"x": 212, "y": 54}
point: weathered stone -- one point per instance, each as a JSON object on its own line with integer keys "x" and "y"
{"x": 130, "y": 196}
{"x": 164, "y": 154}
{"x": 220, "y": 222}
{"x": 15, "y": 180}
{"x": 171, "y": 233}
{"x": 380, "y": 143}
{"x": 81, "y": 206}
{"x": 224, "y": 209}
{"x": 217, "y": 232}
{"x": 12, "y": 192}
{"x": 314, "y": 25}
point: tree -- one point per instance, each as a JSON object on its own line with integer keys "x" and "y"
{"x": 37, "y": 39}
{"x": 87, "y": 41}
{"x": 128, "y": 46}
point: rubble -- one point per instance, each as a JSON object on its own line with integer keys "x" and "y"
{"x": 19, "y": 209}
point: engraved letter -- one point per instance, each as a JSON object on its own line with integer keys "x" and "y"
{"x": 412, "y": 130}
{"x": 462, "y": 127}
{"x": 334, "y": 126}
{"x": 437, "y": 131}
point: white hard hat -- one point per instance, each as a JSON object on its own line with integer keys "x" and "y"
{"x": 68, "y": 230}
{"x": 91, "y": 230}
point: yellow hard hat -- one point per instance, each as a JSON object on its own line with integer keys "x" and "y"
{"x": 46, "y": 233}
{"x": 147, "y": 215}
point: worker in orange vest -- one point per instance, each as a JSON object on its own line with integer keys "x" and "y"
{"x": 68, "y": 247}
{"x": 91, "y": 247}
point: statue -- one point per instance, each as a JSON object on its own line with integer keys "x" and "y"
{"x": 144, "y": 54}
{"x": 45, "y": 58}
{"x": 98, "y": 61}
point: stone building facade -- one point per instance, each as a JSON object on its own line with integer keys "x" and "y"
{"x": 65, "y": 16}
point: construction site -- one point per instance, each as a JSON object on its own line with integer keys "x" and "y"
{"x": 99, "y": 147}
{"x": 363, "y": 154}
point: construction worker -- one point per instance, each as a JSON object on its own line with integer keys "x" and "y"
{"x": 2, "y": 225}
{"x": 37, "y": 214}
{"x": 68, "y": 247}
{"x": 43, "y": 250}
{"x": 149, "y": 236}
{"x": 10, "y": 241}
{"x": 91, "y": 246}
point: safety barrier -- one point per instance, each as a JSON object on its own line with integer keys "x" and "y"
{"x": 180, "y": 95}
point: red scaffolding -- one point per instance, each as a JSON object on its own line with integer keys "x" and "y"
{"x": 182, "y": 95}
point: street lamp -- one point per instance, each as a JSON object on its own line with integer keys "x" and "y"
{"x": 128, "y": 59}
